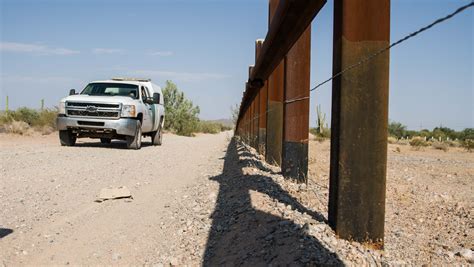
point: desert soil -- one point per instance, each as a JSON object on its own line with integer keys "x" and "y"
{"x": 210, "y": 200}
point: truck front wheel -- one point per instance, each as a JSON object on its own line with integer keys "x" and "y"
{"x": 67, "y": 138}
{"x": 135, "y": 142}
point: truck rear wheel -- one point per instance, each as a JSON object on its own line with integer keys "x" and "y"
{"x": 135, "y": 142}
{"x": 67, "y": 138}
{"x": 157, "y": 137}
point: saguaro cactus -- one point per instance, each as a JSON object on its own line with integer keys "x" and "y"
{"x": 42, "y": 104}
{"x": 6, "y": 105}
{"x": 321, "y": 122}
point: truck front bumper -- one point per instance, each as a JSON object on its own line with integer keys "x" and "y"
{"x": 122, "y": 126}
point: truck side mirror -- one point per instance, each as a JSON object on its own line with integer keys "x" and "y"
{"x": 156, "y": 98}
{"x": 72, "y": 92}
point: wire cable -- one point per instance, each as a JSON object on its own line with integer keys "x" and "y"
{"x": 383, "y": 50}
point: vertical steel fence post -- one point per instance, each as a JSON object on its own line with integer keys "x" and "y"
{"x": 359, "y": 121}
{"x": 296, "y": 109}
{"x": 275, "y": 105}
{"x": 263, "y": 98}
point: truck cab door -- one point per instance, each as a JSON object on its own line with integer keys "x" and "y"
{"x": 148, "y": 111}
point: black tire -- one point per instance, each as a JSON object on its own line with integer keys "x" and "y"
{"x": 67, "y": 138}
{"x": 135, "y": 142}
{"x": 157, "y": 137}
{"x": 105, "y": 140}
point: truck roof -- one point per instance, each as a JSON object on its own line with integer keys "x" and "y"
{"x": 116, "y": 81}
{"x": 135, "y": 81}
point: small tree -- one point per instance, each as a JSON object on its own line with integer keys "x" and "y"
{"x": 234, "y": 113}
{"x": 396, "y": 129}
{"x": 181, "y": 114}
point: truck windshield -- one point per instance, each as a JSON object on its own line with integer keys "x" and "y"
{"x": 111, "y": 89}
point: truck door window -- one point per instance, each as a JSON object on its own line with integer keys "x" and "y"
{"x": 144, "y": 94}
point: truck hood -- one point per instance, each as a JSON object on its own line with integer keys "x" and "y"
{"x": 101, "y": 99}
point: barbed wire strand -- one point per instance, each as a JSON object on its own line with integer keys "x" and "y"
{"x": 381, "y": 51}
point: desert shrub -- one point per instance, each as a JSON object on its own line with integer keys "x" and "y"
{"x": 5, "y": 119}
{"x": 25, "y": 114}
{"x": 467, "y": 133}
{"x": 212, "y": 127}
{"x": 17, "y": 127}
{"x": 43, "y": 121}
{"x": 319, "y": 138}
{"x": 418, "y": 142}
{"x": 468, "y": 144}
{"x": 392, "y": 140}
{"x": 181, "y": 114}
{"x": 396, "y": 129}
{"x": 47, "y": 118}
{"x": 325, "y": 134}
{"x": 234, "y": 110}
{"x": 452, "y": 143}
{"x": 440, "y": 146}
{"x": 45, "y": 130}
{"x": 209, "y": 127}
{"x": 403, "y": 142}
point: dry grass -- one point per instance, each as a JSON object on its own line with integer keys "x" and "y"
{"x": 418, "y": 142}
{"x": 440, "y": 146}
{"x": 392, "y": 140}
{"x": 25, "y": 121}
{"x": 18, "y": 127}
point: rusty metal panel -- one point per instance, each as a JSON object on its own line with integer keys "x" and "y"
{"x": 262, "y": 131}
{"x": 255, "y": 121}
{"x": 252, "y": 125}
{"x": 296, "y": 109}
{"x": 262, "y": 99}
{"x": 275, "y": 105}
{"x": 359, "y": 121}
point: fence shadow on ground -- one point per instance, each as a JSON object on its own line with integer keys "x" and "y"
{"x": 243, "y": 235}
{"x": 4, "y": 232}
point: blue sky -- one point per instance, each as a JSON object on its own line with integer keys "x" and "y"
{"x": 50, "y": 46}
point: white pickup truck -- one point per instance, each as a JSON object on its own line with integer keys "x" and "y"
{"x": 120, "y": 108}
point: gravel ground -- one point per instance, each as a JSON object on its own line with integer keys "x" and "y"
{"x": 206, "y": 201}
{"x": 48, "y": 193}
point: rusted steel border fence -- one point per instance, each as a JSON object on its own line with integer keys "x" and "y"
{"x": 274, "y": 112}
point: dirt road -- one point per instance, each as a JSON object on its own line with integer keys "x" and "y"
{"x": 212, "y": 201}
{"x": 47, "y": 195}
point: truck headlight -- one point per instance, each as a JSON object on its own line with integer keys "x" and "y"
{"x": 62, "y": 108}
{"x": 128, "y": 111}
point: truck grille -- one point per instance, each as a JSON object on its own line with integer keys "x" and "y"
{"x": 93, "y": 110}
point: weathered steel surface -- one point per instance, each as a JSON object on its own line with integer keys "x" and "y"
{"x": 276, "y": 83}
{"x": 256, "y": 111}
{"x": 262, "y": 131}
{"x": 359, "y": 121}
{"x": 263, "y": 98}
{"x": 251, "y": 124}
{"x": 296, "y": 114}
